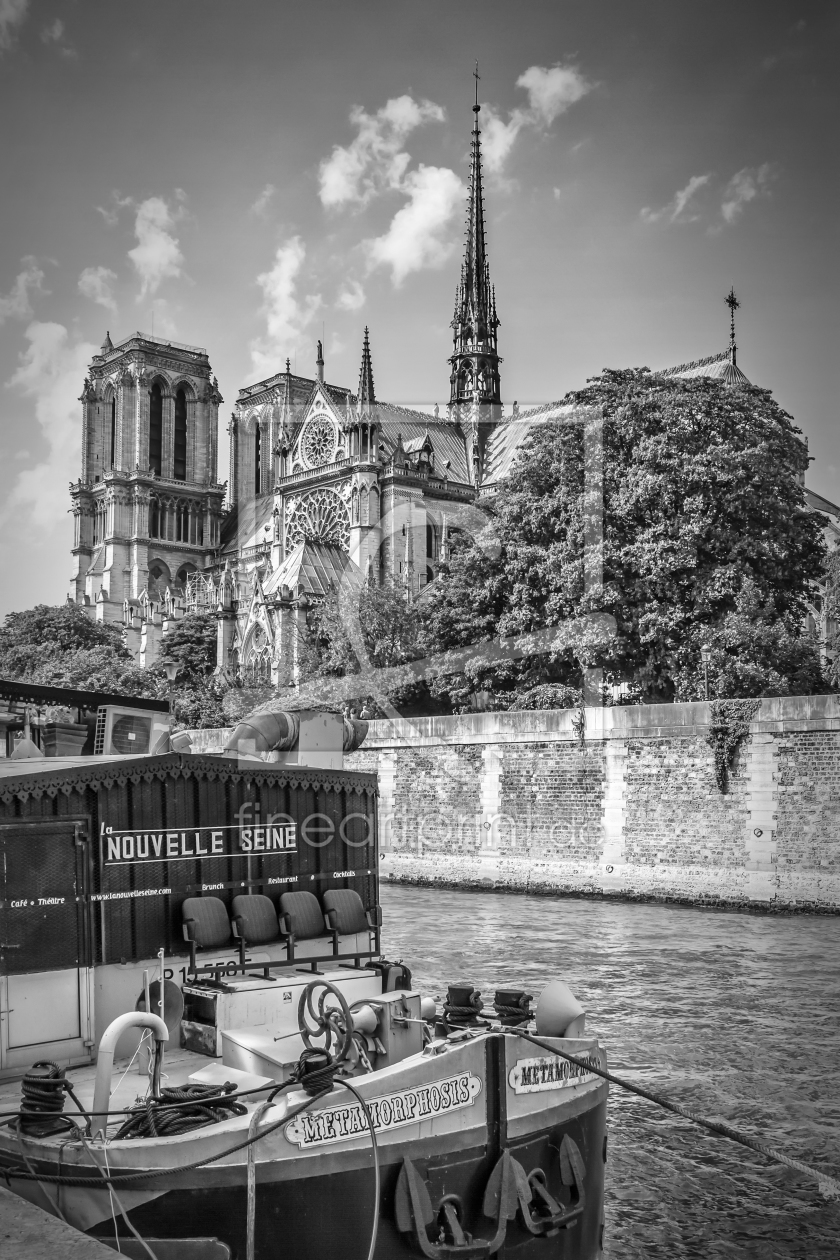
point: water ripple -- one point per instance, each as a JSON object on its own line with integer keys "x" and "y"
{"x": 734, "y": 1016}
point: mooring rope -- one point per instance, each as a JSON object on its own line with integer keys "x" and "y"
{"x": 829, "y": 1186}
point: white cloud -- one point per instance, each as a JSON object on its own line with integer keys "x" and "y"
{"x": 157, "y": 255}
{"x": 50, "y": 373}
{"x": 261, "y": 204}
{"x": 163, "y": 319}
{"x": 351, "y": 296}
{"x": 551, "y": 91}
{"x": 12, "y": 14}
{"x": 744, "y": 186}
{"x": 286, "y": 314}
{"x": 95, "y": 283}
{"x": 111, "y": 213}
{"x": 498, "y": 136}
{"x": 375, "y": 160}
{"x": 415, "y": 238}
{"x": 678, "y": 208}
{"x": 54, "y": 33}
{"x": 17, "y": 304}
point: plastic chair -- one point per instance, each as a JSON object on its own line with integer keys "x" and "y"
{"x": 206, "y": 924}
{"x": 254, "y": 922}
{"x": 345, "y": 915}
{"x": 301, "y": 919}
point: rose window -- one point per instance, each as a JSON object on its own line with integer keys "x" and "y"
{"x": 321, "y": 517}
{"x": 318, "y": 442}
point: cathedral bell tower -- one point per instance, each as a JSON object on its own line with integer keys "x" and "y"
{"x": 474, "y": 394}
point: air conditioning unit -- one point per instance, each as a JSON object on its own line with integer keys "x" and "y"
{"x": 130, "y": 732}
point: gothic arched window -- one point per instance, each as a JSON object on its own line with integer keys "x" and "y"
{"x": 113, "y": 430}
{"x": 257, "y": 459}
{"x": 179, "y": 449}
{"x": 155, "y": 428}
{"x": 431, "y": 541}
{"x": 154, "y": 518}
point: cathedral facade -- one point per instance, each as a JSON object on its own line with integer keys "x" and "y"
{"x": 329, "y": 487}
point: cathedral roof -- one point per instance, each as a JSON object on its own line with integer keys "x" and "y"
{"x": 719, "y": 367}
{"x": 244, "y": 525}
{"x": 446, "y": 438}
{"x": 508, "y": 435}
{"x": 313, "y": 567}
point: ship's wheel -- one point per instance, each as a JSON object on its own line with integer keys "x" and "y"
{"x": 329, "y": 1023}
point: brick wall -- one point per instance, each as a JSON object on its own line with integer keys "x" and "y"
{"x": 516, "y": 800}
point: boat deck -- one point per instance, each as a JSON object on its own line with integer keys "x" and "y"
{"x": 129, "y": 1086}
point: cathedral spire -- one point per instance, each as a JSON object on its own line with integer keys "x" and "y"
{"x": 733, "y": 304}
{"x": 475, "y": 361}
{"x": 366, "y": 394}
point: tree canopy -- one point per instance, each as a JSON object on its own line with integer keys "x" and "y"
{"x": 695, "y": 488}
{"x": 60, "y": 645}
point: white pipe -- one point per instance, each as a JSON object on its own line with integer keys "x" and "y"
{"x": 105, "y": 1060}
{"x": 162, "y": 969}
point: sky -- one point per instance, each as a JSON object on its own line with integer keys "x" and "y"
{"x": 251, "y": 176}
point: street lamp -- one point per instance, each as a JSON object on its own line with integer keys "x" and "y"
{"x": 172, "y": 670}
{"x": 705, "y": 657}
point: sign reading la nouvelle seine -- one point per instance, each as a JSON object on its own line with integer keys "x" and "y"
{"x": 339, "y": 1124}
{"x": 121, "y": 848}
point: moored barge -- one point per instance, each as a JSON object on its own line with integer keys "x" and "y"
{"x": 195, "y": 996}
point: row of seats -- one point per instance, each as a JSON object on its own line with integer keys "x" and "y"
{"x": 255, "y": 920}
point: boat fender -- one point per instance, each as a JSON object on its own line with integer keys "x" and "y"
{"x": 428, "y": 1009}
{"x": 105, "y": 1060}
{"x": 559, "y": 1013}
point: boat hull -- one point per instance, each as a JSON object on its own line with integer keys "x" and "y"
{"x": 330, "y": 1213}
{"x": 446, "y": 1123}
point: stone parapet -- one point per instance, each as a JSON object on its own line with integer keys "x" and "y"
{"x": 633, "y": 810}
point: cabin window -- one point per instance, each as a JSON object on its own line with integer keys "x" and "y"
{"x": 179, "y": 451}
{"x": 155, "y": 428}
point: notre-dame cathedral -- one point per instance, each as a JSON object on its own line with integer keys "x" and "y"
{"x": 327, "y": 486}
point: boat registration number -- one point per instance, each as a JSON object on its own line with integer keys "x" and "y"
{"x": 530, "y": 1076}
{"x": 391, "y": 1111}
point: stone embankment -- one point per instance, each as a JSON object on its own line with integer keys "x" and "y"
{"x": 632, "y": 809}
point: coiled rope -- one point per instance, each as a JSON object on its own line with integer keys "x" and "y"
{"x": 511, "y": 1016}
{"x": 156, "y": 1118}
{"x": 43, "y": 1089}
{"x": 829, "y": 1187}
{"x": 315, "y": 1071}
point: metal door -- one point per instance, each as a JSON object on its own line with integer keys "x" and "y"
{"x": 45, "y": 942}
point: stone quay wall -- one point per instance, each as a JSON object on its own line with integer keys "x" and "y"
{"x": 519, "y": 801}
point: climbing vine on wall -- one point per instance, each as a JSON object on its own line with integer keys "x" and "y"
{"x": 729, "y": 726}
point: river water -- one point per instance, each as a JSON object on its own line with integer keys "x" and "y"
{"x": 734, "y": 1016}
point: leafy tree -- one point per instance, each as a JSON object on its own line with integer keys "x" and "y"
{"x": 371, "y": 627}
{"x": 704, "y": 526}
{"x": 62, "y": 646}
{"x": 196, "y": 694}
{"x": 831, "y": 612}
{"x": 548, "y": 696}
